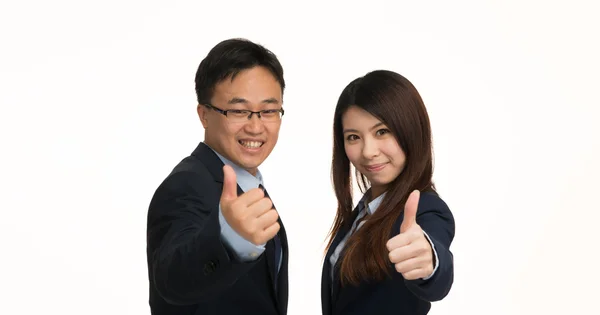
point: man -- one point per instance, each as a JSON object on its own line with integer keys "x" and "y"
{"x": 215, "y": 247}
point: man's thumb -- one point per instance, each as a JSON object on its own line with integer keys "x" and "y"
{"x": 410, "y": 211}
{"x": 229, "y": 183}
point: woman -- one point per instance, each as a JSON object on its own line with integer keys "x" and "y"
{"x": 390, "y": 254}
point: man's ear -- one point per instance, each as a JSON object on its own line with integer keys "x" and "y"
{"x": 202, "y": 113}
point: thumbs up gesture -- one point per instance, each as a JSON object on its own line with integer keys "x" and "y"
{"x": 251, "y": 215}
{"x": 410, "y": 251}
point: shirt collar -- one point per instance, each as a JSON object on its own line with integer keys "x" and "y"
{"x": 374, "y": 204}
{"x": 246, "y": 180}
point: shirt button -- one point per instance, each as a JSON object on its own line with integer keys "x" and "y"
{"x": 253, "y": 255}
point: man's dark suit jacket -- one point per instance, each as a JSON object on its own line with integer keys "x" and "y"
{"x": 395, "y": 295}
{"x": 190, "y": 270}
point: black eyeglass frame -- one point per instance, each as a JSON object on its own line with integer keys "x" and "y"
{"x": 225, "y": 111}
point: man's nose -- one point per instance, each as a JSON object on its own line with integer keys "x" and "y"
{"x": 254, "y": 124}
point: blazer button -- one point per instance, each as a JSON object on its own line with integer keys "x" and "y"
{"x": 209, "y": 267}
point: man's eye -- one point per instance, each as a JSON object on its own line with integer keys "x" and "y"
{"x": 269, "y": 112}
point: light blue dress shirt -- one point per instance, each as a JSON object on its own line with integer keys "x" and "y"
{"x": 245, "y": 250}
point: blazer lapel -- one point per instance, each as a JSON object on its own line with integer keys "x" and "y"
{"x": 270, "y": 250}
{"x": 212, "y": 162}
{"x": 327, "y": 284}
{"x": 330, "y": 288}
{"x": 345, "y": 294}
{"x": 282, "y": 282}
{"x": 281, "y": 289}
{"x": 270, "y": 255}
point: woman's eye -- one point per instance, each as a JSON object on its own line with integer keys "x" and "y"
{"x": 381, "y": 132}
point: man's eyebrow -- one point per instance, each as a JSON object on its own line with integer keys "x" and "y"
{"x": 271, "y": 100}
{"x": 239, "y": 100}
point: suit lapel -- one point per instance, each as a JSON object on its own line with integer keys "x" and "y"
{"x": 270, "y": 249}
{"x": 327, "y": 285}
{"x": 282, "y": 282}
{"x": 281, "y": 292}
{"x": 212, "y": 162}
{"x": 330, "y": 289}
{"x": 270, "y": 255}
{"x": 344, "y": 295}
{"x": 210, "y": 159}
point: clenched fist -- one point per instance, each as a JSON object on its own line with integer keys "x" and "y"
{"x": 410, "y": 251}
{"x": 251, "y": 215}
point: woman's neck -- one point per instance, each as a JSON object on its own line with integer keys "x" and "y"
{"x": 375, "y": 192}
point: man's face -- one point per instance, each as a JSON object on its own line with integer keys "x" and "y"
{"x": 246, "y": 143}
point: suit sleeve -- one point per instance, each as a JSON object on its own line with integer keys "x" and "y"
{"x": 436, "y": 220}
{"x": 188, "y": 263}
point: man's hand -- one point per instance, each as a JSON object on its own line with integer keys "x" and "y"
{"x": 410, "y": 251}
{"x": 251, "y": 215}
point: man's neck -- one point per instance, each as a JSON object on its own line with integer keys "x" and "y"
{"x": 226, "y": 160}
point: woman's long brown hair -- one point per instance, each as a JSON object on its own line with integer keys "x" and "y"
{"x": 396, "y": 102}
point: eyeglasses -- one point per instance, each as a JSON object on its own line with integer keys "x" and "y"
{"x": 242, "y": 115}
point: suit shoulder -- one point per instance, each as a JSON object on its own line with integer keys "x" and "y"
{"x": 432, "y": 200}
{"x": 193, "y": 165}
{"x": 189, "y": 174}
{"x": 431, "y": 203}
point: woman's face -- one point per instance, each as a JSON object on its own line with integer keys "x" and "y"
{"x": 372, "y": 148}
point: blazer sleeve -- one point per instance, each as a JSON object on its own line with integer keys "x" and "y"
{"x": 436, "y": 219}
{"x": 188, "y": 263}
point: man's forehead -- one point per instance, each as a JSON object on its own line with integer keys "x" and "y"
{"x": 233, "y": 99}
{"x": 250, "y": 87}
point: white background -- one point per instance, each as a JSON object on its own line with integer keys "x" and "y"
{"x": 98, "y": 104}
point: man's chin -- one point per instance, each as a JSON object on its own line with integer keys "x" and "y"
{"x": 250, "y": 164}
{"x": 251, "y": 160}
